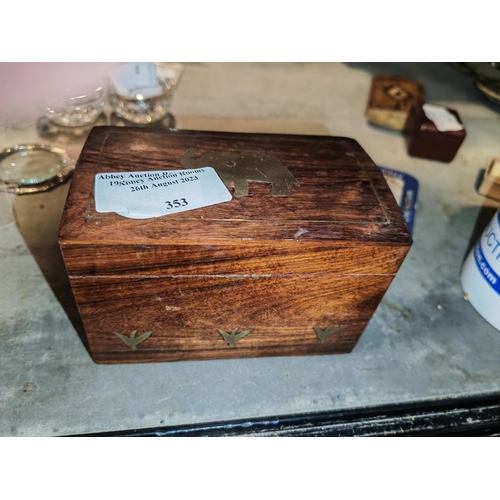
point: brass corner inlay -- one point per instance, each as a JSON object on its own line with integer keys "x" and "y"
{"x": 234, "y": 336}
{"x": 327, "y": 332}
{"x": 133, "y": 341}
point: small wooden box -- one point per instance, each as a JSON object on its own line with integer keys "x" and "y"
{"x": 424, "y": 140}
{"x": 261, "y": 275}
{"x": 391, "y": 99}
{"x": 490, "y": 181}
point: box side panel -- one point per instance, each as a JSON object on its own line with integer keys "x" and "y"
{"x": 431, "y": 146}
{"x": 219, "y": 317}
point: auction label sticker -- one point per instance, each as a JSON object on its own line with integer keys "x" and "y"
{"x": 142, "y": 195}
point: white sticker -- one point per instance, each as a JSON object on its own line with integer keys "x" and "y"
{"x": 136, "y": 78}
{"x": 442, "y": 118}
{"x": 142, "y": 195}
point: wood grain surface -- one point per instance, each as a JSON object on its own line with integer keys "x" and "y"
{"x": 321, "y": 257}
{"x": 342, "y": 194}
{"x": 185, "y": 314}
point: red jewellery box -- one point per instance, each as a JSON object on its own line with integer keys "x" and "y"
{"x": 424, "y": 140}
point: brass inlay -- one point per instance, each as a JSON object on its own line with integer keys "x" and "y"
{"x": 91, "y": 202}
{"x": 327, "y": 332}
{"x": 132, "y": 341}
{"x": 397, "y": 93}
{"x": 238, "y": 169}
{"x": 232, "y": 337}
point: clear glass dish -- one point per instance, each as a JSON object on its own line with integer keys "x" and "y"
{"x": 77, "y": 111}
{"x": 140, "y": 109}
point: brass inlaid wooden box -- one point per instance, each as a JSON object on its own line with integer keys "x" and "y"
{"x": 391, "y": 99}
{"x": 293, "y": 270}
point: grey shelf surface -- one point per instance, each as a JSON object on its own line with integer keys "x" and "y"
{"x": 425, "y": 342}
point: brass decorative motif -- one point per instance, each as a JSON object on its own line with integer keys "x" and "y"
{"x": 238, "y": 169}
{"x": 132, "y": 341}
{"x": 397, "y": 93}
{"x": 232, "y": 337}
{"x": 400, "y": 96}
{"x": 327, "y": 332}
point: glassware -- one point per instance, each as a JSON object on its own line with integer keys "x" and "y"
{"x": 62, "y": 135}
{"x": 79, "y": 110}
{"x": 140, "y": 109}
{"x": 167, "y": 122}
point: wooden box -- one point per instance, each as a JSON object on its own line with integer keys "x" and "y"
{"x": 489, "y": 185}
{"x": 296, "y": 273}
{"x": 391, "y": 99}
{"x": 424, "y": 140}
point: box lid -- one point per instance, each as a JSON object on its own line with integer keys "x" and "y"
{"x": 340, "y": 194}
{"x": 340, "y": 197}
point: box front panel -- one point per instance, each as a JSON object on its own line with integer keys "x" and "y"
{"x": 161, "y": 319}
